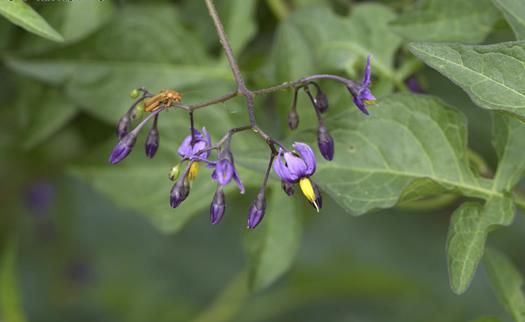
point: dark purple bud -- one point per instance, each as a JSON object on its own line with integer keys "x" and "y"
{"x": 123, "y": 148}
{"x": 318, "y": 196}
{"x": 218, "y": 206}
{"x": 321, "y": 101}
{"x": 123, "y": 126}
{"x": 293, "y": 120}
{"x": 256, "y": 212}
{"x": 179, "y": 192}
{"x": 288, "y": 187}
{"x": 325, "y": 143}
{"x": 414, "y": 85}
{"x": 152, "y": 142}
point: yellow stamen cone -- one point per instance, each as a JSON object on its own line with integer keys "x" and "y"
{"x": 194, "y": 170}
{"x": 308, "y": 191}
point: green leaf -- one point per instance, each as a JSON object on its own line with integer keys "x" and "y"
{"x": 10, "y": 306}
{"x": 315, "y": 39}
{"x": 272, "y": 246}
{"x": 21, "y": 14}
{"x": 238, "y": 18}
{"x": 491, "y": 75}
{"x": 467, "y": 235}
{"x": 468, "y": 21}
{"x": 407, "y": 143}
{"x": 509, "y": 142}
{"x": 48, "y": 113}
{"x": 487, "y": 319}
{"x": 507, "y": 283}
{"x": 514, "y": 12}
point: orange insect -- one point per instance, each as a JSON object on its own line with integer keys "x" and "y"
{"x": 166, "y": 98}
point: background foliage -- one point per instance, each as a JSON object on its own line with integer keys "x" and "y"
{"x": 434, "y": 173}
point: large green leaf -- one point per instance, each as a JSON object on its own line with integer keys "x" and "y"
{"x": 514, "y": 12}
{"x": 507, "y": 283}
{"x": 272, "y": 246}
{"x": 21, "y": 14}
{"x": 467, "y": 21}
{"x": 408, "y": 142}
{"x": 467, "y": 235}
{"x": 509, "y": 135}
{"x": 316, "y": 38}
{"x": 491, "y": 75}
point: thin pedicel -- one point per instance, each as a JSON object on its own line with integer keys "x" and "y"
{"x": 294, "y": 167}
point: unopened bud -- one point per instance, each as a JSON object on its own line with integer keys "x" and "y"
{"x": 179, "y": 192}
{"x": 256, "y": 212}
{"x": 321, "y": 101}
{"x": 325, "y": 143}
{"x": 152, "y": 142}
{"x": 123, "y": 148}
{"x": 318, "y": 196}
{"x": 288, "y": 187}
{"x": 134, "y": 93}
{"x": 217, "y": 207}
{"x": 174, "y": 172}
{"x": 293, "y": 120}
{"x": 123, "y": 126}
{"x": 138, "y": 111}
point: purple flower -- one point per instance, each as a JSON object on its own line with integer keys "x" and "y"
{"x": 201, "y": 141}
{"x": 225, "y": 171}
{"x": 291, "y": 166}
{"x": 414, "y": 85}
{"x": 362, "y": 95}
{"x": 217, "y": 207}
{"x": 179, "y": 192}
{"x": 297, "y": 167}
{"x": 325, "y": 143}
{"x": 257, "y": 209}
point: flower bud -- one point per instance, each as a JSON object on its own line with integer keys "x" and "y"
{"x": 123, "y": 126}
{"x": 179, "y": 192}
{"x": 134, "y": 93}
{"x": 123, "y": 148}
{"x": 293, "y": 120}
{"x": 218, "y": 206}
{"x": 256, "y": 212}
{"x": 288, "y": 187}
{"x": 152, "y": 142}
{"x": 174, "y": 172}
{"x": 325, "y": 143}
{"x": 138, "y": 111}
{"x": 321, "y": 101}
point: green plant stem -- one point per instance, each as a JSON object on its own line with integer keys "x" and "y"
{"x": 519, "y": 198}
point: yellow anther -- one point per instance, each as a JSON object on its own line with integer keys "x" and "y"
{"x": 368, "y": 102}
{"x": 194, "y": 170}
{"x": 308, "y": 191}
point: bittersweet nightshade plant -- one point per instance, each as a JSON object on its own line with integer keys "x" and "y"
{"x": 293, "y": 167}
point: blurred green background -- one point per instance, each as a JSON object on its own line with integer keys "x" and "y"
{"x": 83, "y": 241}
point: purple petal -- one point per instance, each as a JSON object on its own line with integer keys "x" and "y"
{"x": 296, "y": 166}
{"x": 281, "y": 170}
{"x": 360, "y": 104}
{"x": 224, "y": 172}
{"x": 308, "y": 156}
{"x": 366, "y": 95}
{"x": 238, "y": 180}
{"x": 368, "y": 72}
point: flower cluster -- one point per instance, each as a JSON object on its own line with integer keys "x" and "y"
{"x": 294, "y": 167}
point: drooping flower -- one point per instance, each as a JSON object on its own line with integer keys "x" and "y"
{"x": 193, "y": 147}
{"x": 225, "y": 170}
{"x": 298, "y": 167}
{"x": 361, "y": 94}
